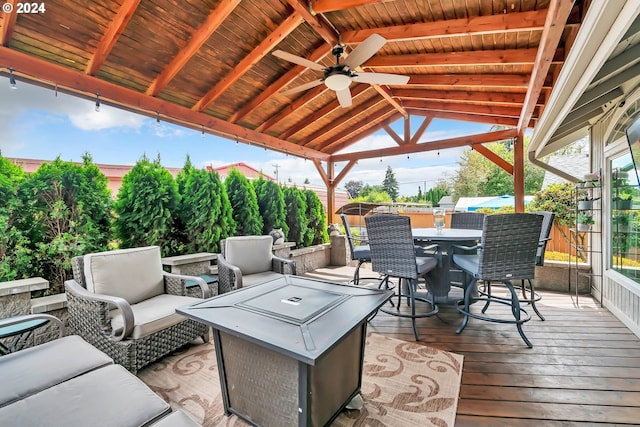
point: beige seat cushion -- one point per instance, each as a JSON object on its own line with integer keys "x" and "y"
{"x": 107, "y": 397}
{"x": 251, "y": 254}
{"x": 154, "y": 314}
{"x": 37, "y": 368}
{"x": 258, "y": 278}
{"x": 177, "y": 419}
{"x": 133, "y": 274}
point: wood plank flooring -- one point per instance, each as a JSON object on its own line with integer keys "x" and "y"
{"x": 583, "y": 369}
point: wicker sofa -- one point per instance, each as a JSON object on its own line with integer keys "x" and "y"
{"x": 123, "y": 303}
{"x": 70, "y": 383}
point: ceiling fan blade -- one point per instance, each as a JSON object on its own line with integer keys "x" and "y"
{"x": 302, "y": 87}
{"x": 381, "y": 78}
{"x": 344, "y": 97}
{"x": 298, "y": 60}
{"x": 365, "y": 50}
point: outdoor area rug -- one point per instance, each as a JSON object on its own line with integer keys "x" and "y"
{"x": 404, "y": 384}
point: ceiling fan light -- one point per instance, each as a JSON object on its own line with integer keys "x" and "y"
{"x": 338, "y": 82}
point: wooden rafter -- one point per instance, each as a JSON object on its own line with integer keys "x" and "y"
{"x": 484, "y": 80}
{"x": 283, "y": 30}
{"x": 499, "y": 161}
{"x": 426, "y": 121}
{"x": 322, "y": 112}
{"x": 8, "y": 24}
{"x": 283, "y": 81}
{"x": 393, "y": 135}
{"x": 461, "y": 95}
{"x": 328, "y": 145}
{"x": 427, "y": 146}
{"x": 80, "y": 83}
{"x": 347, "y": 117}
{"x": 319, "y": 26}
{"x": 309, "y": 96}
{"x": 321, "y": 6}
{"x": 464, "y": 107}
{"x": 407, "y": 129}
{"x": 386, "y": 94}
{"x": 345, "y": 170}
{"x": 479, "y": 57}
{"x": 559, "y": 11}
{"x": 467, "y": 117}
{"x": 321, "y": 171}
{"x": 201, "y": 35}
{"x": 502, "y": 23}
{"x": 110, "y": 37}
{"x": 353, "y": 138}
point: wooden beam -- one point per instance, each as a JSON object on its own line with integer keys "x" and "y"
{"x": 426, "y": 121}
{"x": 484, "y": 80}
{"x": 464, "y": 107}
{"x": 387, "y": 95}
{"x": 283, "y": 81}
{"x": 283, "y": 30}
{"x": 499, "y": 161}
{"x": 322, "y": 6}
{"x": 309, "y": 96}
{"x": 559, "y": 11}
{"x": 468, "y": 117}
{"x": 345, "y": 170}
{"x": 393, "y": 135}
{"x": 199, "y": 37}
{"x": 353, "y": 138}
{"x": 321, "y": 171}
{"x": 329, "y": 145}
{"x": 320, "y": 26}
{"x": 478, "y": 57}
{"x": 321, "y": 113}
{"x": 8, "y": 23}
{"x": 518, "y": 172}
{"x": 407, "y": 129}
{"x": 427, "y": 146}
{"x": 345, "y": 119}
{"x": 49, "y": 74}
{"x": 461, "y": 95}
{"x": 477, "y": 25}
{"x": 110, "y": 37}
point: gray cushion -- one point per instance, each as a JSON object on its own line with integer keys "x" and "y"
{"x": 37, "y": 368}
{"x": 107, "y": 397}
{"x": 362, "y": 252}
{"x": 251, "y": 254}
{"x": 425, "y": 264}
{"x": 154, "y": 314}
{"x": 176, "y": 419}
{"x": 468, "y": 263}
{"x": 258, "y": 278}
{"x": 133, "y": 274}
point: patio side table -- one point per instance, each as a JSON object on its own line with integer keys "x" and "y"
{"x": 290, "y": 351}
{"x": 19, "y": 334}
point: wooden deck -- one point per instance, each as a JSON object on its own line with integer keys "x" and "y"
{"x": 584, "y": 368}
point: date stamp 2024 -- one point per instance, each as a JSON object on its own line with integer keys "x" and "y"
{"x": 21, "y": 8}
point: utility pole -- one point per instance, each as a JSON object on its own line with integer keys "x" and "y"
{"x": 277, "y": 166}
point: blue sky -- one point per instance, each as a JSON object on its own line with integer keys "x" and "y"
{"x": 37, "y": 124}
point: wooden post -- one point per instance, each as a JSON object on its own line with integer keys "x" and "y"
{"x": 518, "y": 172}
{"x": 331, "y": 193}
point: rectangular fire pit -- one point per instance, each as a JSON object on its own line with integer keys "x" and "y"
{"x": 289, "y": 351}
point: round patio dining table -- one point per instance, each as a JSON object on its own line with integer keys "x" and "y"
{"x": 441, "y": 278}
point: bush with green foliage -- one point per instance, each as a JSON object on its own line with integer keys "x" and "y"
{"x": 205, "y": 212}
{"x": 146, "y": 206}
{"x": 271, "y": 204}
{"x": 65, "y": 211}
{"x": 316, "y": 220}
{"x": 296, "y": 210}
{"x": 244, "y": 204}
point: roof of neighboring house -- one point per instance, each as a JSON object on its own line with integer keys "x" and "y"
{"x": 446, "y": 200}
{"x": 244, "y": 168}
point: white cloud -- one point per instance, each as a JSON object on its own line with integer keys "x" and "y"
{"x": 106, "y": 118}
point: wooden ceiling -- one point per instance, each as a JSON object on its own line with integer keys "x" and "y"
{"x": 209, "y": 65}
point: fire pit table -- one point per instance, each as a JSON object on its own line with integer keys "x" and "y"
{"x": 289, "y": 351}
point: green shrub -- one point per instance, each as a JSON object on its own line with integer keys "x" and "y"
{"x": 272, "y": 206}
{"x": 244, "y": 204}
{"x": 296, "y": 211}
{"x": 316, "y": 220}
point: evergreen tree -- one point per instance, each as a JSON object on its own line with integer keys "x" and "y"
{"x": 353, "y": 188}
{"x": 296, "y": 208}
{"x": 205, "y": 211}
{"x": 317, "y": 220}
{"x": 271, "y": 205}
{"x": 244, "y": 204}
{"x": 181, "y": 178}
{"x": 390, "y": 184}
{"x": 146, "y": 206}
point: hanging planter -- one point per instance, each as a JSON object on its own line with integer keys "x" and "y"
{"x": 585, "y": 205}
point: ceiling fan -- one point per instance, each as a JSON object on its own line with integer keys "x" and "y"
{"x": 338, "y": 77}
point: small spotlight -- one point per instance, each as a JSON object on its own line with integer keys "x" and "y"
{"x": 97, "y": 102}
{"x": 157, "y": 119}
{"x": 12, "y": 79}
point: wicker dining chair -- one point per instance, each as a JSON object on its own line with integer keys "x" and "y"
{"x": 393, "y": 256}
{"x": 467, "y": 220}
{"x": 360, "y": 253}
{"x": 507, "y": 252}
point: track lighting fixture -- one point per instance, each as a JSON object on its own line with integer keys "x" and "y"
{"x": 97, "y": 102}
{"x": 12, "y": 79}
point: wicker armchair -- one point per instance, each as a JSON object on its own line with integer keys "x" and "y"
{"x": 508, "y": 252}
{"x": 360, "y": 253}
{"x": 467, "y": 220}
{"x": 249, "y": 260}
{"x": 123, "y": 303}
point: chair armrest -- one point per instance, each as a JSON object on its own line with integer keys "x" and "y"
{"x": 466, "y": 248}
{"x": 120, "y": 303}
{"x": 283, "y": 265}
{"x": 437, "y": 252}
{"x": 16, "y": 320}
{"x": 229, "y": 276}
{"x": 206, "y": 292}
